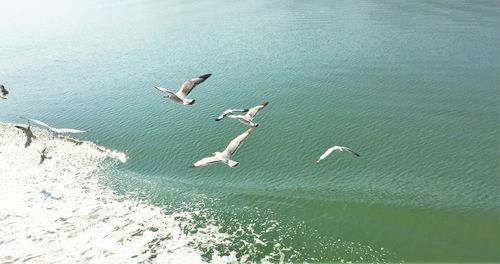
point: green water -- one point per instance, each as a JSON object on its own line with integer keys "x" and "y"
{"x": 413, "y": 86}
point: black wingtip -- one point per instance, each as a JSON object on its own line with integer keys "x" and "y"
{"x": 205, "y": 76}
{"x": 192, "y": 102}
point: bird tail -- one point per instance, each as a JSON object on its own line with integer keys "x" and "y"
{"x": 189, "y": 102}
{"x": 233, "y": 164}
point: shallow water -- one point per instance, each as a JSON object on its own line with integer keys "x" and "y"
{"x": 411, "y": 86}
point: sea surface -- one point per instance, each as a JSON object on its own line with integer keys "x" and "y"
{"x": 412, "y": 86}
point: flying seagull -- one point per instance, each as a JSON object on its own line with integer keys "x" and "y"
{"x": 186, "y": 88}
{"x": 3, "y": 92}
{"x": 29, "y": 134}
{"x": 246, "y": 119}
{"x": 225, "y": 156}
{"x": 56, "y": 131}
{"x": 335, "y": 148}
{"x": 43, "y": 155}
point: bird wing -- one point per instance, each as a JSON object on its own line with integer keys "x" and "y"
{"x": 24, "y": 129}
{"x": 164, "y": 90}
{"x": 254, "y": 110}
{"x": 57, "y": 130}
{"x": 41, "y": 123}
{"x": 230, "y": 111}
{"x": 68, "y": 130}
{"x": 324, "y": 155}
{"x": 236, "y": 143}
{"x": 352, "y": 151}
{"x": 206, "y": 161}
{"x": 3, "y": 90}
{"x": 189, "y": 85}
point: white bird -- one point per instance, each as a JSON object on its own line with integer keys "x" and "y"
{"x": 3, "y": 92}
{"x": 335, "y": 148}
{"x": 55, "y": 131}
{"x": 246, "y": 119}
{"x": 186, "y": 88}
{"x": 225, "y": 156}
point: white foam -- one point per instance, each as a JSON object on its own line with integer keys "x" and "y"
{"x": 58, "y": 211}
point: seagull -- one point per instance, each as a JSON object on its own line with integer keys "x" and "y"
{"x": 55, "y": 131}
{"x": 335, "y": 148}
{"x": 43, "y": 155}
{"x": 245, "y": 119}
{"x": 186, "y": 88}
{"x": 225, "y": 156}
{"x": 29, "y": 134}
{"x": 3, "y": 92}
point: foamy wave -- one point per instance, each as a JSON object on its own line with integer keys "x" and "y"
{"x": 58, "y": 211}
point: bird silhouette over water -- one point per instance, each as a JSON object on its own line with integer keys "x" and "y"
{"x": 246, "y": 119}
{"x": 225, "y": 156}
{"x": 3, "y": 92}
{"x": 333, "y": 149}
{"x": 186, "y": 88}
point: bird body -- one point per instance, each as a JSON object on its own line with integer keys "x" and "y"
{"x": 186, "y": 88}
{"x": 43, "y": 155}
{"x": 244, "y": 120}
{"x": 333, "y": 149}
{"x": 225, "y": 156}
{"x": 3, "y": 92}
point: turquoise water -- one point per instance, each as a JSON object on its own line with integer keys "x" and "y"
{"x": 412, "y": 86}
